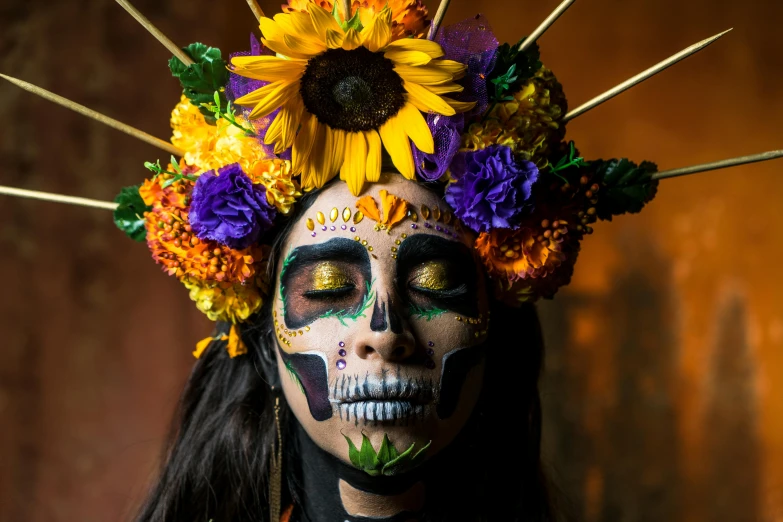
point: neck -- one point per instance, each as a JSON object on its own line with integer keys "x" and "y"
{"x": 331, "y": 491}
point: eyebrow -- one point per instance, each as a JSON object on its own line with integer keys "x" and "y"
{"x": 336, "y": 249}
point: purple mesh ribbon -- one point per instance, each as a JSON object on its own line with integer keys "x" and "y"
{"x": 239, "y": 86}
{"x": 470, "y": 42}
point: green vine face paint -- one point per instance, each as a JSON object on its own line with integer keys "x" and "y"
{"x": 371, "y": 314}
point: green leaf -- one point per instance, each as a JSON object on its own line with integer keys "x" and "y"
{"x": 513, "y": 68}
{"x": 384, "y": 453}
{"x": 419, "y": 456}
{"x": 203, "y": 80}
{"x": 129, "y": 215}
{"x": 399, "y": 464}
{"x": 625, "y": 186}
{"x": 367, "y": 455}
{"x": 353, "y": 453}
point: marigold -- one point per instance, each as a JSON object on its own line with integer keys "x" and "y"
{"x": 282, "y": 190}
{"x": 529, "y": 124}
{"x": 222, "y": 301}
{"x": 529, "y": 263}
{"x": 209, "y": 147}
{"x": 409, "y": 17}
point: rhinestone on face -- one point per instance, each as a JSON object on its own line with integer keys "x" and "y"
{"x": 341, "y": 364}
{"x": 310, "y": 224}
{"x": 320, "y": 217}
{"x": 342, "y": 353}
{"x": 346, "y": 214}
{"x": 333, "y": 215}
{"x": 357, "y": 217}
{"x": 425, "y": 212}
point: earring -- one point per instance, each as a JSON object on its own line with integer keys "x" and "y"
{"x": 276, "y": 469}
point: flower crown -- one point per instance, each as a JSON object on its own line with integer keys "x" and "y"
{"x": 334, "y": 88}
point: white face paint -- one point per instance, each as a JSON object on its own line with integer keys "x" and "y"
{"x": 367, "y": 319}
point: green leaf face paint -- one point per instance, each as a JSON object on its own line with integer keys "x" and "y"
{"x": 387, "y": 461}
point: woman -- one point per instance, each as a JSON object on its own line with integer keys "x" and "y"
{"x": 393, "y": 365}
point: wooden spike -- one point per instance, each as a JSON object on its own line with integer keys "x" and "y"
{"x": 257, "y": 11}
{"x": 743, "y": 160}
{"x": 639, "y": 78}
{"x": 154, "y": 31}
{"x": 347, "y": 10}
{"x": 440, "y": 14}
{"x": 59, "y": 198}
{"x": 111, "y": 122}
{"x": 546, "y": 24}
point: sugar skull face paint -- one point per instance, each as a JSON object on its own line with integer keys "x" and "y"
{"x": 380, "y": 328}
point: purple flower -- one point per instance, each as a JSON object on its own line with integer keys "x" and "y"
{"x": 229, "y": 208}
{"x": 446, "y": 131}
{"x": 492, "y": 189}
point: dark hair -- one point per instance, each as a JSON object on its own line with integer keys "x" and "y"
{"x": 216, "y": 466}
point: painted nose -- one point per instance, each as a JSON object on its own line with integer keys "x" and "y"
{"x": 387, "y": 338}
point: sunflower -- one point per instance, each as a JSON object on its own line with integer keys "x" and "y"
{"x": 348, "y": 91}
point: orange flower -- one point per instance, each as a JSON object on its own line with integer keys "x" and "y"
{"x": 234, "y": 346}
{"x": 394, "y": 209}
{"x": 282, "y": 190}
{"x": 409, "y": 17}
{"x": 178, "y": 250}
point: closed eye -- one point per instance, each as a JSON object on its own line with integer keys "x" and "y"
{"x": 329, "y": 293}
{"x": 458, "y": 291}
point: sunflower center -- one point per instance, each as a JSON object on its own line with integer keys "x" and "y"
{"x": 354, "y": 90}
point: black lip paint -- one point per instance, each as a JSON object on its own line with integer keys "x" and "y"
{"x": 311, "y": 371}
{"x": 456, "y": 365}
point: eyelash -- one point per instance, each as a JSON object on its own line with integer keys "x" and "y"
{"x": 451, "y": 293}
{"x": 328, "y": 295}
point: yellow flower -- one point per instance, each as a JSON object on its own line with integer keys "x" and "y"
{"x": 347, "y": 92}
{"x": 235, "y": 346}
{"x": 409, "y": 17}
{"x": 209, "y": 147}
{"x": 230, "y": 302}
{"x": 281, "y": 190}
{"x": 529, "y": 124}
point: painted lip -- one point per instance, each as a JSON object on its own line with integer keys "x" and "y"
{"x": 383, "y": 392}
{"x": 381, "y": 411}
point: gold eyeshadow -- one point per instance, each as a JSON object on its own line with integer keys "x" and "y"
{"x": 328, "y": 275}
{"x": 432, "y": 275}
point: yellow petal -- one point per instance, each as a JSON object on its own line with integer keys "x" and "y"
{"x": 235, "y": 345}
{"x": 313, "y": 165}
{"x": 426, "y": 101}
{"x": 201, "y": 346}
{"x": 297, "y": 23}
{"x": 416, "y": 126}
{"x": 459, "y": 106}
{"x": 338, "y": 143}
{"x": 275, "y": 99}
{"x": 334, "y": 40}
{"x": 322, "y": 156}
{"x": 303, "y": 143}
{"x": 455, "y": 68}
{"x": 373, "y": 173}
{"x": 258, "y": 95}
{"x": 408, "y": 57}
{"x": 369, "y": 208}
{"x": 432, "y": 49}
{"x": 306, "y": 46}
{"x": 424, "y": 74}
{"x": 396, "y": 142}
{"x": 352, "y": 171}
{"x": 322, "y": 20}
{"x": 352, "y": 40}
{"x": 281, "y": 131}
{"x": 378, "y": 34}
{"x": 271, "y": 70}
{"x": 270, "y": 29}
{"x": 394, "y": 209}
{"x": 279, "y": 47}
{"x": 445, "y": 88}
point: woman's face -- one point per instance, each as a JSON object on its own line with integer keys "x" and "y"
{"x": 379, "y": 331}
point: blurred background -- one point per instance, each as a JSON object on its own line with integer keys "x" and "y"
{"x": 664, "y": 385}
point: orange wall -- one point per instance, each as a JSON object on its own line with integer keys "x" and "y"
{"x": 664, "y": 391}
